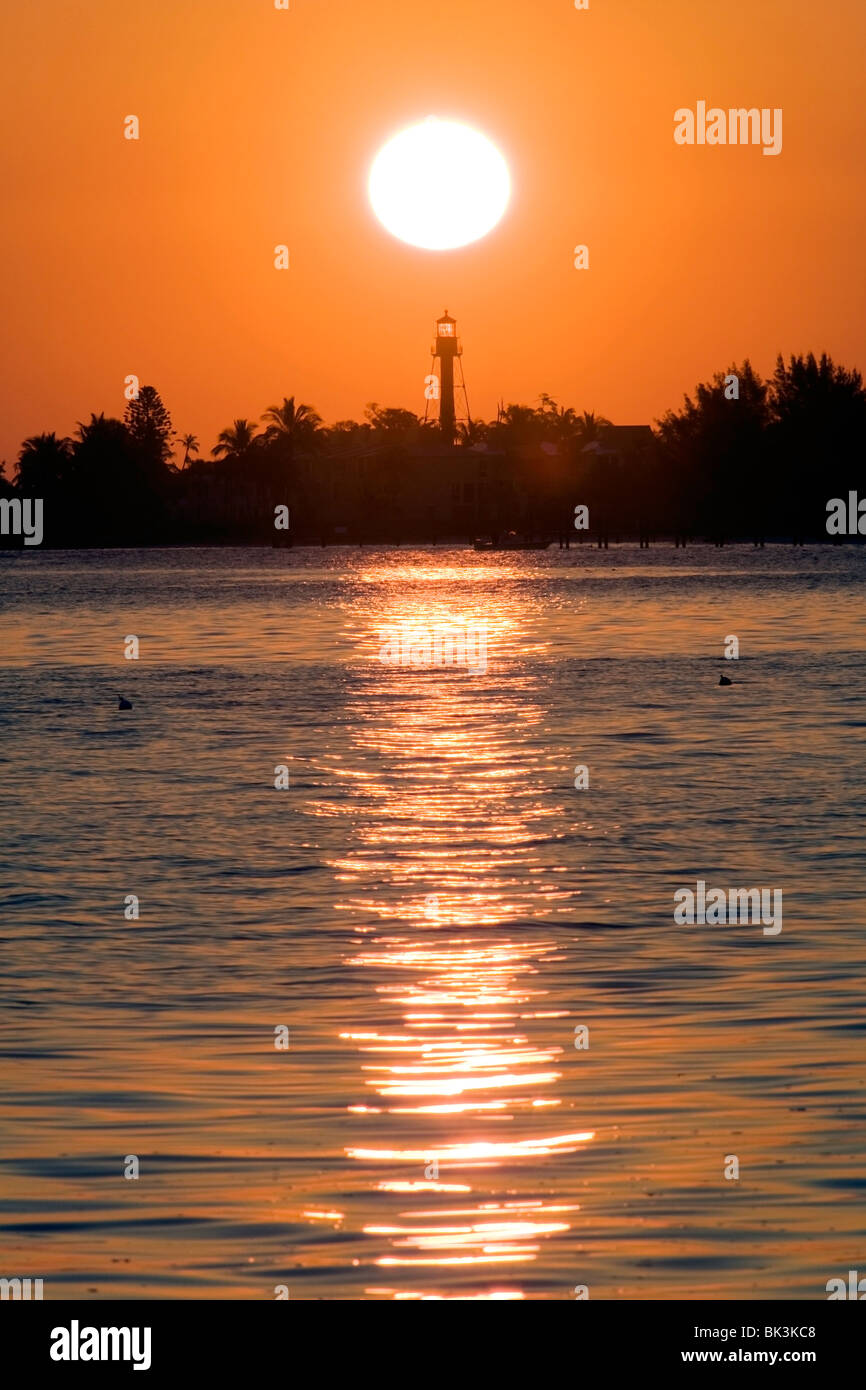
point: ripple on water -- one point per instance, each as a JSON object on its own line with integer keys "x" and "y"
{"x": 432, "y": 909}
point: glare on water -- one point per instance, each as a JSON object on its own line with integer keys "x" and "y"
{"x": 432, "y": 908}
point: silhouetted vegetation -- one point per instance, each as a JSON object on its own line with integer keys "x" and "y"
{"x": 743, "y": 458}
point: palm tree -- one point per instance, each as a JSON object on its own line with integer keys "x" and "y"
{"x": 294, "y": 425}
{"x": 189, "y": 443}
{"x": 236, "y": 441}
{"x": 589, "y": 426}
{"x": 113, "y": 473}
{"x": 471, "y": 432}
{"x": 43, "y": 463}
{"x": 560, "y": 419}
{"x": 517, "y": 425}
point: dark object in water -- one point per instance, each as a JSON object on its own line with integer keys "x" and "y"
{"x": 723, "y": 680}
{"x": 511, "y": 541}
{"x": 123, "y": 704}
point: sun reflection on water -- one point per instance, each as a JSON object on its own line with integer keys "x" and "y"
{"x": 443, "y": 879}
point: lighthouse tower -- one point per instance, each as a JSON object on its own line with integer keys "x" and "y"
{"x": 447, "y": 348}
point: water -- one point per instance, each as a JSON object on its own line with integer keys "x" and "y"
{"x": 431, "y": 909}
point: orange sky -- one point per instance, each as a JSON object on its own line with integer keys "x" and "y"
{"x": 258, "y": 127}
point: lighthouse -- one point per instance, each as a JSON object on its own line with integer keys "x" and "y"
{"x": 447, "y": 348}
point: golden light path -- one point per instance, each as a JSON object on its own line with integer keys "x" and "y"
{"x": 468, "y": 1154}
{"x": 453, "y": 814}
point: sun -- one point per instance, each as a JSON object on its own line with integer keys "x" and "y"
{"x": 439, "y": 184}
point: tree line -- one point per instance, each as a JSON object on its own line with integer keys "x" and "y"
{"x": 742, "y": 457}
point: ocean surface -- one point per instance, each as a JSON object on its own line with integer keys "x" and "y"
{"x": 344, "y": 1038}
